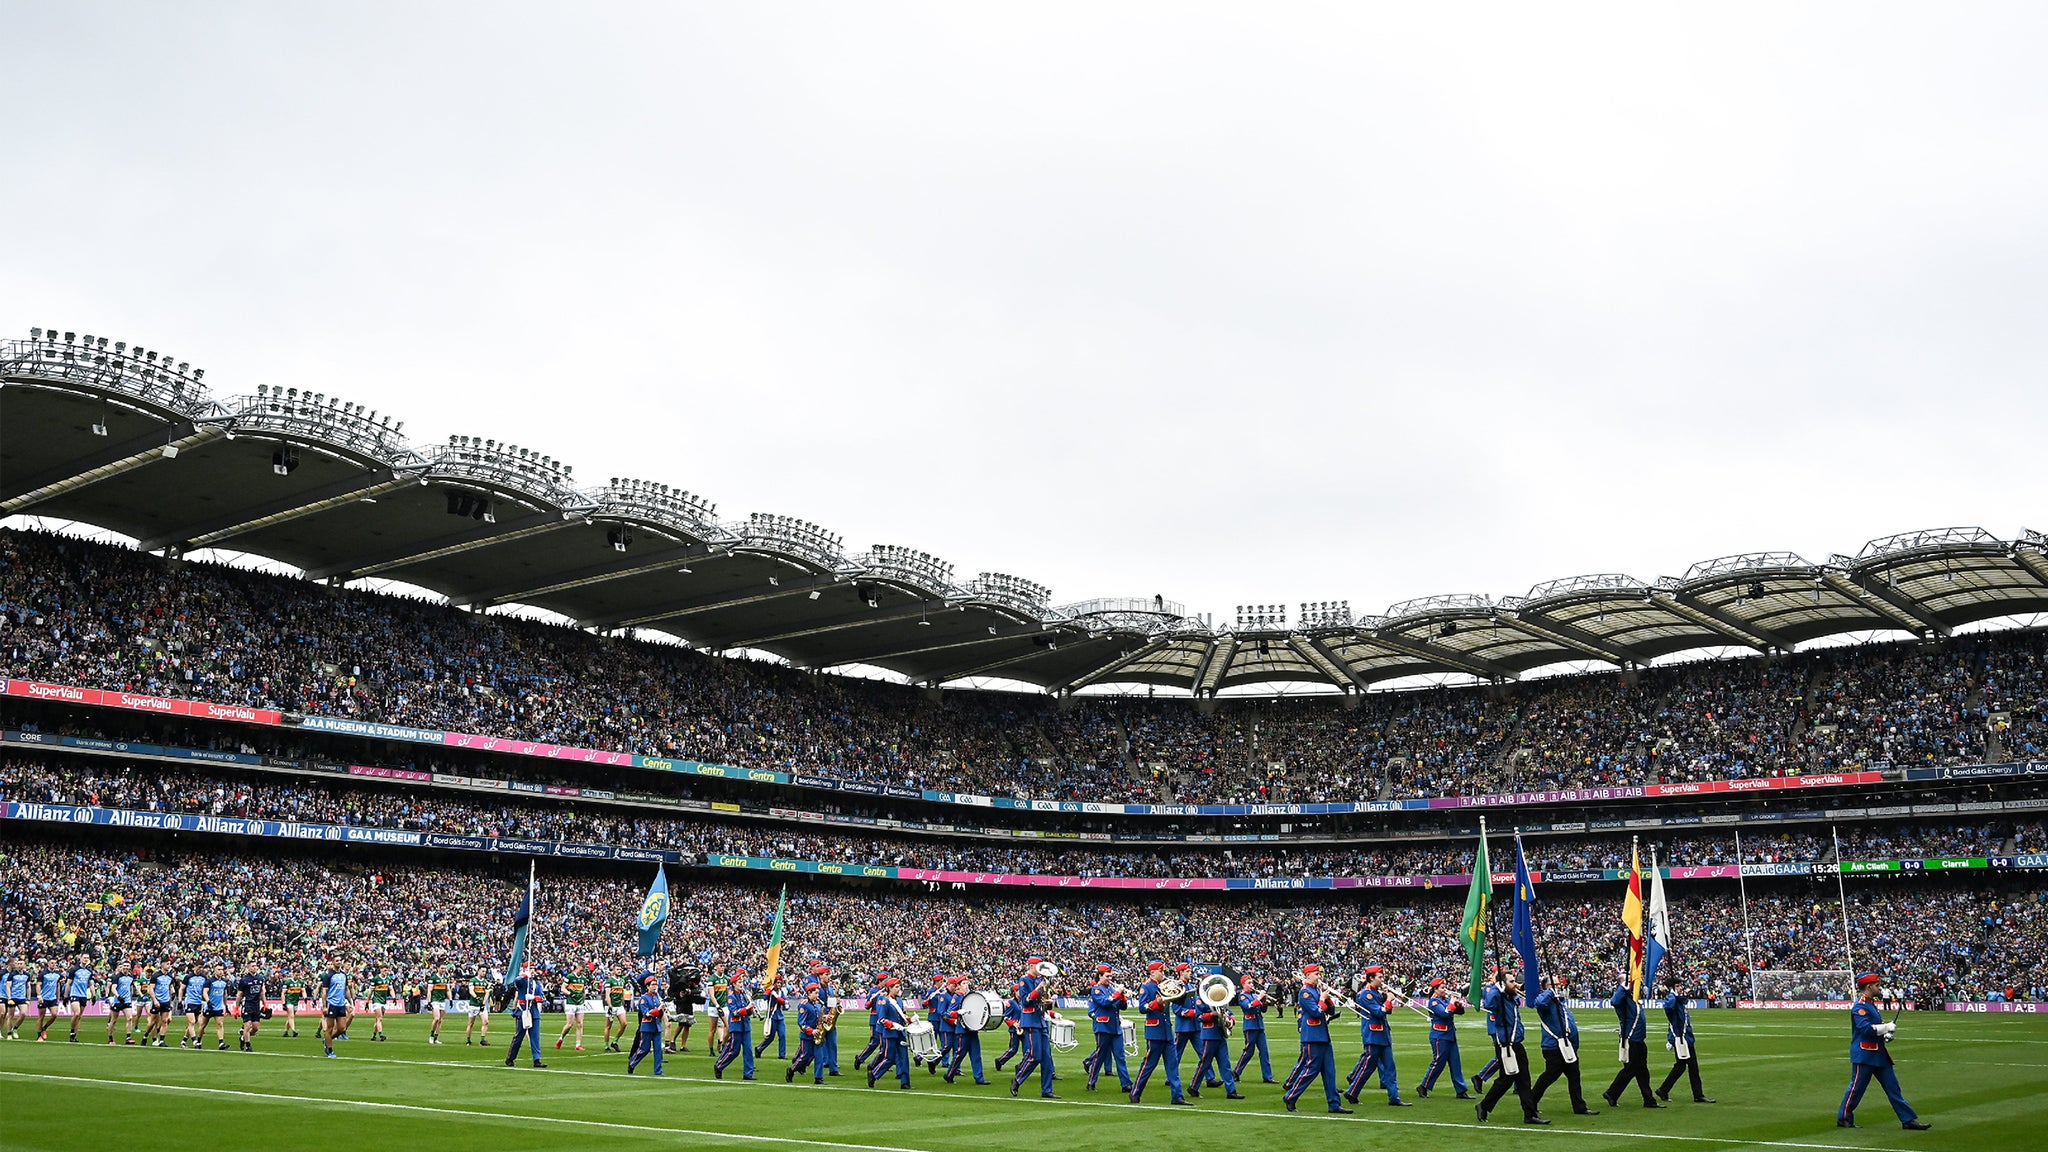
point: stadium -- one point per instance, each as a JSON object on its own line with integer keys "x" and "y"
{"x": 908, "y": 577}
{"x": 207, "y": 764}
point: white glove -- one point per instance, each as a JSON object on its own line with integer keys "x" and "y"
{"x": 1885, "y": 1030}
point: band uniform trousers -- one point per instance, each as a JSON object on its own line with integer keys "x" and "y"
{"x": 1519, "y": 1081}
{"x": 1554, "y": 1067}
{"x": 1374, "y": 1059}
{"x": 1443, "y": 1053}
{"x": 1038, "y": 1055}
{"x": 966, "y": 1046}
{"x": 1637, "y": 1069}
{"x": 1109, "y": 1051}
{"x": 1317, "y": 1059}
{"x": 738, "y": 1045}
{"x": 646, "y": 1042}
{"x": 778, "y": 1033}
{"x": 1688, "y": 1066}
{"x": 1157, "y": 1053}
{"x": 1860, "y": 1076}
{"x": 808, "y": 1050}
{"x": 530, "y": 1031}
{"x": 1216, "y": 1062}
{"x": 894, "y": 1054}
{"x": 1254, "y": 1040}
{"x": 1016, "y": 1045}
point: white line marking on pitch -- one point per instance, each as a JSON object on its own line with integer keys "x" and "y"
{"x": 462, "y": 1112}
{"x": 1122, "y": 1106}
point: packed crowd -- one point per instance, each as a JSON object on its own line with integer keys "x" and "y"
{"x": 358, "y": 802}
{"x": 78, "y": 612}
{"x": 293, "y": 914}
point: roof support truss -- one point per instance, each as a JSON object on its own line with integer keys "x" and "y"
{"x": 1330, "y": 658}
{"x": 1885, "y": 601}
{"x": 782, "y": 588}
{"x": 629, "y": 565}
{"x": 1456, "y": 661}
{"x": 1576, "y": 639}
{"x": 20, "y": 495}
{"x": 1115, "y": 666}
{"x": 478, "y": 536}
{"x": 209, "y": 532}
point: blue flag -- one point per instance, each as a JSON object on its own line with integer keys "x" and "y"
{"x": 1523, "y": 934}
{"x": 1657, "y": 932}
{"x": 654, "y": 913}
{"x": 520, "y": 923}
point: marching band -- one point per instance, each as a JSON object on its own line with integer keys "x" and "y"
{"x": 943, "y": 1034}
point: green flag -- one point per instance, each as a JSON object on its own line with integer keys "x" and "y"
{"x": 775, "y": 943}
{"x": 1478, "y": 902}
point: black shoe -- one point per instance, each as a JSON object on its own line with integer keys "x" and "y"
{"x": 538, "y": 1064}
{"x": 1534, "y": 1120}
{"x": 1399, "y": 1104}
{"x": 1340, "y": 1111}
{"x": 1289, "y": 1103}
{"x": 1916, "y": 1125}
{"x": 1047, "y": 1096}
{"x": 508, "y": 1059}
{"x": 1191, "y": 1104}
{"x": 1654, "y": 1104}
{"x": 1421, "y": 1093}
{"x": 1585, "y": 1111}
{"x": 1013, "y": 1091}
{"x": 1664, "y": 1094}
{"x": 1194, "y": 1094}
{"x": 1480, "y": 1109}
{"x": 1466, "y": 1096}
{"x": 1841, "y": 1123}
{"x": 1235, "y": 1096}
{"x": 1703, "y": 1099}
{"x": 1612, "y": 1102}
{"x": 833, "y": 1072}
{"x": 789, "y": 1075}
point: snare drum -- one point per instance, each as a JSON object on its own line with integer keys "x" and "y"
{"x": 923, "y": 1040}
{"x": 1062, "y": 1032}
{"x": 1130, "y": 1037}
{"x": 981, "y": 1012}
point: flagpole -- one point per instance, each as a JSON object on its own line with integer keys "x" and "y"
{"x": 1842, "y": 893}
{"x": 1748, "y": 939}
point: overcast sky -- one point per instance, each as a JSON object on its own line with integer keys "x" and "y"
{"x": 1237, "y": 304}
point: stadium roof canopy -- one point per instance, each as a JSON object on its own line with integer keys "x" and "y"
{"x": 128, "y": 440}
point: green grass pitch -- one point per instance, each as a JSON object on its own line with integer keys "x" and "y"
{"x": 1982, "y": 1081}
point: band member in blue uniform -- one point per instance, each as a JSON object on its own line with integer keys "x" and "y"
{"x": 810, "y": 1018}
{"x": 875, "y": 1047}
{"x": 648, "y": 1009}
{"x": 966, "y": 1041}
{"x": 528, "y": 994}
{"x": 1105, "y": 1004}
{"x": 739, "y": 1029}
{"x": 1634, "y": 1033}
{"x": 1033, "y": 999}
{"x": 891, "y": 1019}
{"x": 937, "y": 1003}
{"x": 1870, "y": 1058}
{"x": 1444, "y": 1010}
{"x": 1187, "y": 1020}
{"x": 1560, "y": 1047}
{"x": 1678, "y": 1038}
{"x": 1253, "y": 1005}
{"x": 1377, "y": 1035}
{"x": 1159, "y": 1047}
{"x": 1215, "y": 1042}
{"x": 1314, "y": 1007}
{"x": 828, "y": 1048}
{"x": 776, "y": 1028}
{"x": 1492, "y": 1067}
{"x": 1012, "y": 1013}
{"x": 1514, "y": 1058}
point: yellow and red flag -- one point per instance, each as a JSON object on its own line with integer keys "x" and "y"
{"x": 1632, "y": 917}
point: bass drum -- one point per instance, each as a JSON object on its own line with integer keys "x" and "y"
{"x": 922, "y": 1040}
{"x": 981, "y": 1012}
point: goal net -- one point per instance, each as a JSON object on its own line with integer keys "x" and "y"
{"x": 1805, "y": 984}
